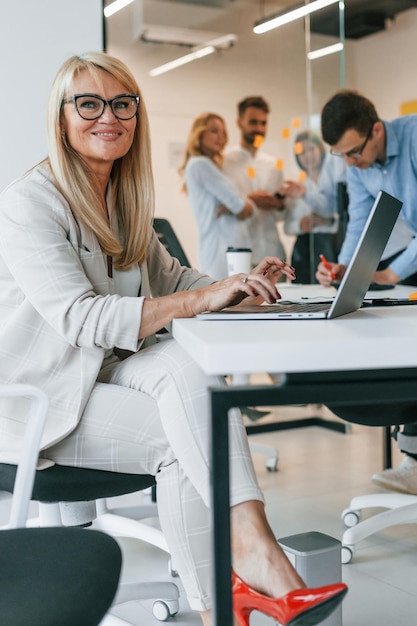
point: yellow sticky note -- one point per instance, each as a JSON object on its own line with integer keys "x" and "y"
{"x": 258, "y": 141}
{"x": 298, "y": 147}
{"x": 296, "y": 122}
{"x": 285, "y": 133}
{"x": 302, "y": 176}
{"x": 279, "y": 164}
{"x": 251, "y": 172}
{"x": 406, "y": 108}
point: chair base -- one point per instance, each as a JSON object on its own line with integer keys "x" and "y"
{"x": 121, "y": 526}
{"x": 271, "y": 454}
{"x": 114, "y": 522}
{"x": 401, "y": 509}
{"x": 163, "y": 608}
{"x": 126, "y": 522}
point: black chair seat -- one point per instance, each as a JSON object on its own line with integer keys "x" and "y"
{"x": 368, "y": 414}
{"x": 61, "y": 483}
{"x": 51, "y": 576}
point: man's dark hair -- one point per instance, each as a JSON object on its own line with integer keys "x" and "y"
{"x": 346, "y": 110}
{"x": 253, "y": 101}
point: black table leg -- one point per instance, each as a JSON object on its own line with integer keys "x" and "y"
{"x": 222, "y": 564}
{"x": 387, "y": 448}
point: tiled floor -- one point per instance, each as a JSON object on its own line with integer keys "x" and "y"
{"x": 319, "y": 471}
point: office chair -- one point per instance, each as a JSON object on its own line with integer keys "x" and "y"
{"x": 51, "y": 576}
{"x": 400, "y": 508}
{"x": 169, "y": 239}
{"x": 72, "y": 496}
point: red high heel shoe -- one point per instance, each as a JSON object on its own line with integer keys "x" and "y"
{"x": 302, "y": 607}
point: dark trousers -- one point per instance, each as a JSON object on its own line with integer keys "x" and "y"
{"x": 305, "y": 256}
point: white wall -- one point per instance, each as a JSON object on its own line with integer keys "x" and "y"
{"x": 35, "y": 38}
{"x": 385, "y": 65}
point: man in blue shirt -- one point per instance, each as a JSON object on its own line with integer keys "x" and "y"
{"x": 379, "y": 155}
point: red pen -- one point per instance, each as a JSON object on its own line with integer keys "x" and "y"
{"x": 327, "y": 266}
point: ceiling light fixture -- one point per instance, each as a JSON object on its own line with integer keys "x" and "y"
{"x": 188, "y": 37}
{"x": 322, "y": 52}
{"x": 221, "y": 43}
{"x": 192, "y": 56}
{"x": 279, "y": 19}
{"x": 116, "y": 6}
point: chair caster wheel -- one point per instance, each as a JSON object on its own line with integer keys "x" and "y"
{"x": 350, "y": 517}
{"x": 347, "y": 555}
{"x": 271, "y": 464}
{"x": 162, "y": 610}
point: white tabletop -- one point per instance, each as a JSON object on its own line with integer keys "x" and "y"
{"x": 372, "y": 338}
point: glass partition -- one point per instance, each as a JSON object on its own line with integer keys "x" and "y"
{"x": 274, "y": 65}
{"x": 325, "y": 74}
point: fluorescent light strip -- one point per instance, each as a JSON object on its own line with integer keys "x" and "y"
{"x": 322, "y": 52}
{"x": 284, "y": 18}
{"x": 192, "y": 56}
{"x": 116, "y": 6}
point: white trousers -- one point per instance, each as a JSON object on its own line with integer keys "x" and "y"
{"x": 150, "y": 414}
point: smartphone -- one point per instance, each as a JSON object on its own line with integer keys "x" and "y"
{"x": 378, "y": 287}
{"x": 388, "y": 302}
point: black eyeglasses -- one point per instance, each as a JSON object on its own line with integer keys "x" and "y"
{"x": 355, "y": 153}
{"x": 89, "y": 106}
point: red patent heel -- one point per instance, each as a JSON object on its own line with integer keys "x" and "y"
{"x": 302, "y": 607}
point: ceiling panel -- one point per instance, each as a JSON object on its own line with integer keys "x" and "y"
{"x": 362, "y": 17}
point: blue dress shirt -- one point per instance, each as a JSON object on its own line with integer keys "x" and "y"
{"x": 398, "y": 177}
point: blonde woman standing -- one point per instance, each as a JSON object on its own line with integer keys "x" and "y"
{"x": 218, "y": 208}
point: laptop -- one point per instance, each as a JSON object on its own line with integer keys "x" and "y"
{"x": 355, "y": 282}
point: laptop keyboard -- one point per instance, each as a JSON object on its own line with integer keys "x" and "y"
{"x": 303, "y": 307}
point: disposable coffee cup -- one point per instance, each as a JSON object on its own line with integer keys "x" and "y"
{"x": 238, "y": 260}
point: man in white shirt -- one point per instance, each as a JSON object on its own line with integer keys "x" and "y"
{"x": 259, "y": 176}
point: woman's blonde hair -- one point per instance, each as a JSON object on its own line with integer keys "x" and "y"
{"x": 131, "y": 175}
{"x": 193, "y": 146}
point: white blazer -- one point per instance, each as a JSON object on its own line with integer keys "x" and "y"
{"x": 57, "y": 313}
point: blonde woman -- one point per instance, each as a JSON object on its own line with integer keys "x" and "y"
{"x": 85, "y": 285}
{"x": 218, "y": 208}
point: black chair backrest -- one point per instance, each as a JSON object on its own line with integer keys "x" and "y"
{"x": 169, "y": 239}
{"x": 64, "y": 576}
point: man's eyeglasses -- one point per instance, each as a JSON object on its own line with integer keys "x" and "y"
{"x": 90, "y": 106}
{"x": 355, "y": 153}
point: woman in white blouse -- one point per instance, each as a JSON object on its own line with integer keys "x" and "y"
{"x": 219, "y": 210}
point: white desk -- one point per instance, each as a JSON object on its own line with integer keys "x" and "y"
{"x": 369, "y": 338}
{"x": 366, "y": 356}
